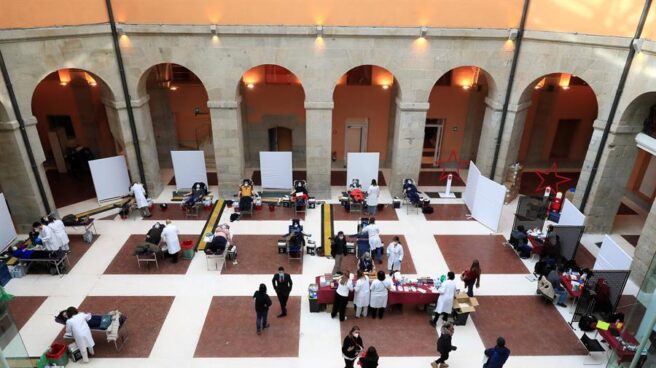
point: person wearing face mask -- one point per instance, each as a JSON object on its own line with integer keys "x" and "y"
{"x": 366, "y": 264}
{"x": 282, "y": 284}
{"x": 352, "y": 347}
{"x": 338, "y": 251}
{"x": 361, "y": 297}
{"x": 394, "y": 255}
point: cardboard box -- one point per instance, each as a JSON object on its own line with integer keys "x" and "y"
{"x": 465, "y": 304}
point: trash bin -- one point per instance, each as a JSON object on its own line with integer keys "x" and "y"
{"x": 187, "y": 249}
{"x": 396, "y": 203}
{"x": 461, "y": 319}
{"x": 57, "y": 354}
{"x": 312, "y": 298}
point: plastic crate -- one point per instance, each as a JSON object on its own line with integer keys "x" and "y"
{"x": 57, "y": 354}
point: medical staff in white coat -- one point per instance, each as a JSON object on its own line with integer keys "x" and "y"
{"x": 59, "y": 228}
{"x": 394, "y": 255}
{"x": 170, "y": 236}
{"x": 372, "y": 197}
{"x": 379, "y": 290}
{"x": 48, "y": 236}
{"x": 361, "y": 295}
{"x": 78, "y": 328}
{"x": 375, "y": 244}
{"x": 447, "y": 292}
{"x": 139, "y": 193}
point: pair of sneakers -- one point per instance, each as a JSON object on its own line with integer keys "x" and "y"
{"x": 439, "y": 365}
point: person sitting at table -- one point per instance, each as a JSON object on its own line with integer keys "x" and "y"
{"x": 34, "y": 234}
{"x": 366, "y": 264}
{"x": 561, "y": 294}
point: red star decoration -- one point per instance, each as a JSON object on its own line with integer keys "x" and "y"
{"x": 546, "y": 175}
{"x": 452, "y": 159}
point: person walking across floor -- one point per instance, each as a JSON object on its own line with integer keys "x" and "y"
{"x": 375, "y": 244}
{"x": 170, "y": 236}
{"x": 78, "y": 328}
{"x": 344, "y": 287}
{"x": 379, "y": 290}
{"x": 447, "y": 292}
{"x": 472, "y": 277}
{"x": 444, "y": 346}
{"x": 282, "y": 284}
{"x": 361, "y": 297}
{"x": 338, "y": 251}
{"x": 139, "y": 193}
{"x": 373, "y": 192}
{"x": 262, "y": 304}
{"x": 497, "y": 355}
{"x": 351, "y": 347}
{"x": 394, "y": 255}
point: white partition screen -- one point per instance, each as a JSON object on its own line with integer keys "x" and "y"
{"x": 470, "y": 189}
{"x": 612, "y": 257}
{"x": 189, "y": 168}
{"x": 110, "y": 177}
{"x": 276, "y": 169}
{"x": 7, "y": 229}
{"x": 570, "y": 215}
{"x": 488, "y": 202}
{"x": 362, "y": 166}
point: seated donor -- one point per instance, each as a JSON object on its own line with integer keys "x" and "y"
{"x": 519, "y": 241}
{"x": 246, "y": 194}
{"x": 561, "y": 294}
{"x": 411, "y": 192}
{"x": 366, "y": 263}
{"x": 552, "y": 247}
{"x": 221, "y": 240}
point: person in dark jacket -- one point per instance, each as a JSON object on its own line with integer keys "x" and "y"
{"x": 338, "y": 251}
{"x": 444, "y": 346}
{"x": 282, "y": 284}
{"x": 497, "y": 355}
{"x": 352, "y": 347}
{"x": 262, "y": 304}
{"x": 370, "y": 359}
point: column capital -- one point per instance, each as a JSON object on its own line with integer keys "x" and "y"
{"x": 493, "y": 104}
{"x": 138, "y": 102}
{"x": 319, "y": 105}
{"x": 412, "y": 106}
{"x": 8, "y": 125}
{"x": 518, "y": 107}
{"x": 228, "y": 105}
{"x": 121, "y": 105}
{"x": 625, "y": 129}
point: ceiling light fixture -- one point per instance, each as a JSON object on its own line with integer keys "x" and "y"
{"x": 120, "y": 30}
{"x": 512, "y": 34}
{"x": 637, "y": 44}
{"x": 422, "y": 32}
{"x": 213, "y": 29}
{"x": 319, "y": 30}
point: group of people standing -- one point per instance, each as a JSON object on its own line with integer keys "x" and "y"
{"x": 282, "y": 284}
{"x": 51, "y": 233}
{"x": 368, "y": 297}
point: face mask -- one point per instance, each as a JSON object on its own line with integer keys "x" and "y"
{"x": 281, "y": 273}
{"x": 356, "y": 334}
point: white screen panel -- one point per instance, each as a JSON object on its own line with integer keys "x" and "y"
{"x": 189, "y": 168}
{"x": 7, "y": 229}
{"x": 612, "y": 257}
{"x": 110, "y": 177}
{"x": 488, "y": 202}
{"x": 570, "y": 215}
{"x": 276, "y": 169}
{"x": 470, "y": 189}
{"x": 362, "y": 166}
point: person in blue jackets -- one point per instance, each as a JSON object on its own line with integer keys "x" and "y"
{"x": 497, "y": 355}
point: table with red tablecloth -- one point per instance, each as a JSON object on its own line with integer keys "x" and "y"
{"x": 326, "y": 295}
{"x": 623, "y": 355}
{"x": 566, "y": 280}
{"x": 537, "y": 244}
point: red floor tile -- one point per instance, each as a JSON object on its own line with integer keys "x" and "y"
{"x": 529, "y": 326}
{"x": 530, "y": 181}
{"x": 584, "y": 258}
{"x": 146, "y": 315}
{"x": 67, "y": 190}
{"x": 350, "y": 263}
{"x": 448, "y": 212}
{"x": 125, "y": 263}
{"x": 433, "y": 178}
{"x": 625, "y": 210}
{"x": 78, "y": 249}
{"x": 23, "y": 307}
{"x": 389, "y": 334}
{"x": 632, "y": 239}
{"x": 460, "y": 250}
{"x": 386, "y": 214}
{"x": 229, "y": 329}
{"x": 258, "y": 254}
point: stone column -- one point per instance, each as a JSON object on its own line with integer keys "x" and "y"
{"x": 164, "y": 125}
{"x": 645, "y": 250}
{"x": 612, "y": 175}
{"x": 119, "y": 125}
{"x": 409, "y": 127}
{"x": 510, "y": 140}
{"x": 318, "y": 141}
{"x": 228, "y": 139}
{"x": 16, "y": 175}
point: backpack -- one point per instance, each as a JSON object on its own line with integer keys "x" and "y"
{"x": 588, "y": 323}
{"x": 69, "y": 220}
{"x": 427, "y": 209}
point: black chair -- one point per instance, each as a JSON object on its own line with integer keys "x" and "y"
{"x": 593, "y": 346}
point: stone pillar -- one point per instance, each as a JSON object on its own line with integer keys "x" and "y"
{"x": 119, "y": 125}
{"x": 612, "y": 175}
{"x": 164, "y": 125}
{"x": 228, "y": 139}
{"x": 16, "y": 175}
{"x": 409, "y": 128}
{"x": 510, "y": 140}
{"x": 645, "y": 251}
{"x": 318, "y": 140}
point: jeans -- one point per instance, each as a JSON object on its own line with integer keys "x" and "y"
{"x": 561, "y": 295}
{"x": 261, "y": 320}
{"x": 470, "y": 290}
{"x": 379, "y": 254}
{"x": 372, "y": 210}
{"x": 338, "y": 263}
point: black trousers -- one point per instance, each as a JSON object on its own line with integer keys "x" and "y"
{"x": 443, "y": 357}
{"x": 282, "y": 298}
{"x": 348, "y": 363}
{"x": 339, "y": 306}
{"x": 373, "y": 312}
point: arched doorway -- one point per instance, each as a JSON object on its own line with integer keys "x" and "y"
{"x": 178, "y": 109}
{"x": 363, "y": 114}
{"x": 556, "y": 133}
{"x": 273, "y": 113}
{"x": 73, "y": 128}
{"x": 455, "y": 117}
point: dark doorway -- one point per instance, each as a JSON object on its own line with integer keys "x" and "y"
{"x": 565, "y": 133}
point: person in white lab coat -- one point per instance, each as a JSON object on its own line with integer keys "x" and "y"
{"x": 78, "y": 328}
{"x": 59, "y": 228}
{"x": 170, "y": 236}
{"x": 375, "y": 244}
{"x": 139, "y": 193}
{"x": 447, "y": 292}
{"x": 372, "y": 197}
{"x": 379, "y": 290}
{"x": 361, "y": 297}
{"x": 394, "y": 255}
{"x": 48, "y": 237}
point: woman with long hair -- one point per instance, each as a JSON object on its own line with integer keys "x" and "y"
{"x": 472, "y": 277}
{"x": 351, "y": 347}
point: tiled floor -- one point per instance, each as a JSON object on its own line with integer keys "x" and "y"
{"x": 125, "y": 262}
{"x": 340, "y": 214}
{"x": 23, "y": 307}
{"x": 189, "y": 316}
{"x": 437, "y": 178}
{"x": 279, "y": 213}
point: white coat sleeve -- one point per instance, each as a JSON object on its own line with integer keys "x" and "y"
{"x": 69, "y": 330}
{"x": 400, "y": 254}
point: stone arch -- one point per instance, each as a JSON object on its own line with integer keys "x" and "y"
{"x": 637, "y": 110}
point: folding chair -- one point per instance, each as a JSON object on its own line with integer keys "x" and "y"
{"x": 593, "y": 346}
{"x": 147, "y": 258}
